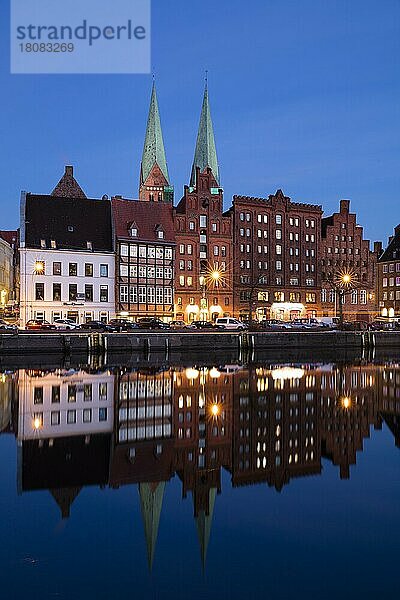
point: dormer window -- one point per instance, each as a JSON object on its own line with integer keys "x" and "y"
{"x": 89, "y": 245}
{"x": 70, "y": 228}
{"x": 160, "y": 234}
{"x": 133, "y": 230}
{"x": 53, "y": 244}
{"x": 43, "y": 243}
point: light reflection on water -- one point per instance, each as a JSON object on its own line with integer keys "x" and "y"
{"x": 256, "y": 424}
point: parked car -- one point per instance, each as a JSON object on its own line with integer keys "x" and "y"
{"x": 65, "y": 324}
{"x": 11, "y": 309}
{"x": 178, "y": 325}
{"x": 123, "y": 324}
{"x": 230, "y": 323}
{"x": 39, "y": 325}
{"x": 384, "y": 326}
{"x": 152, "y": 323}
{"x": 98, "y": 326}
{"x": 354, "y": 326}
{"x": 274, "y": 325}
{"x": 7, "y": 328}
{"x": 204, "y": 325}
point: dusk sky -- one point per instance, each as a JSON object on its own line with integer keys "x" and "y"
{"x": 304, "y": 97}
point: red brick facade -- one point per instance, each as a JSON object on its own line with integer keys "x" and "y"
{"x": 203, "y": 265}
{"x": 344, "y": 250}
{"x": 276, "y": 244}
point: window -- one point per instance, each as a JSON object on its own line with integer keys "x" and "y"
{"x": 133, "y": 294}
{"x": 181, "y": 280}
{"x": 73, "y": 269}
{"x": 38, "y": 395}
{"x": 88, "y": 270}
{"x": 39, "y": 291}
{"x": 203, "y": 221}
{"x": 278, "y": 219}
{"x": 168, "y": 253}
{"x": 102, "y": 414}
{"x": 56, "y": 292}
{"x": 87, "y": 415}
{"x": 56, "y": 268}
{"x": 278, "y": 249}
{"x": 279, "y": 297}
{"x": 363, "y": 296}
{"x": 189, "y": 249}
{"x": 124, "y": 250}
{"x": 311, "y": 297}
{"x": 150, "y": 295}
{"x": 168, "y": 295}
{"x": 216, "y": 250}
{"x": 71, "y": 417}
{"x": 102, "y": 391}
{"x": 191, "y": 225}
{"x": 104, "y": 270}
{"x": 89, "y": 293}
{"x": 142, "y": 295}
{"x": 72, "y": 292}
{"x": 55, "y": 417}
{"x": 123, "y": 293}
{"x": 72, "y": 393}
{"x": 55, "y": 394}
{"x": 104, "y": 293}
{"x": 123, "y": 270}
{"x": 160, "y": 234}
{"x": 278, "y": 265}
{"x": 133, "y": 231}
{"x": 354, "y": 297}
{"x": 278, "y": 234}
{"x": 133, "y": 251}
{"x": 214, "y": 227}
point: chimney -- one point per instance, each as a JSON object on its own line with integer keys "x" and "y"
{"x": 69, "y": 170}
{"x": 344, "y": 206}
{"x": 378, "y": 248}
{"x": 397, "y": 230}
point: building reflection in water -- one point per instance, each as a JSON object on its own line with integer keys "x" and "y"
{"x": 262, "y": 424}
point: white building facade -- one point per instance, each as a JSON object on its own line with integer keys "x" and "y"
{"x": 66, "y": 284}
{"x": 67, "y": 261}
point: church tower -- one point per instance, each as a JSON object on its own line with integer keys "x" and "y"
{"x": 154, "y": 178}
{"x": 205, "y": 154}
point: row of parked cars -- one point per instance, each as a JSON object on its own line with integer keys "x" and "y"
{"x": 221, "y": 324}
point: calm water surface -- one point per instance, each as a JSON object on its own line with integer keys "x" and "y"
{"x": 207, "y": 481}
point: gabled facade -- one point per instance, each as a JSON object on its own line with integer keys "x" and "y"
{"x": 66, "y": 256}
{"x": 388, "y": 278}
{"x": 203, "y": 233}
{"x": 145, "y": 248}
{"x": 276, "y": 243}
{"x": 344, "y": 250}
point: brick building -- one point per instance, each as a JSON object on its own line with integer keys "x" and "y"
{"x": 344, "y": 250}
{"x": 203, "y": 233}
{"x": 388, "y": 278}
{"x": 276, "y": 244}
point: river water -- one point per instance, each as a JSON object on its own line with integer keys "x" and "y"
{"x": 196, "y": 480}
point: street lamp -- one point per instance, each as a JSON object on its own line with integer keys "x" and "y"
{"x": 343, "y": 282}
{"x": 39, "y": 267}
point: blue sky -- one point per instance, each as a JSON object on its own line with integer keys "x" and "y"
{"x": 304, "y": 96}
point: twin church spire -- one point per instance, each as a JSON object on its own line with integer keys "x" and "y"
{"x": 154, "y": 177}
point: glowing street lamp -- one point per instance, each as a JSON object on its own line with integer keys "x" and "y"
{"x": 215, "y": 410}
{"x": 39, "y": 266}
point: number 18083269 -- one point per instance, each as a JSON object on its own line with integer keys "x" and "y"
{"x": 46, "y": 47}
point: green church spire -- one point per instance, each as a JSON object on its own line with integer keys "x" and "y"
{"x": 205, "y": 154}
{"x": 203, "y": 524}
{"x": 153, "y": 149}
{"x": 151, "y": 499}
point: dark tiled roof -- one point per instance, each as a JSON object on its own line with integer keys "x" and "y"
{"x": 68, "y": 187}
{"x": 393, "y": 250}
{"x": 10, "y": 236}
{"x": 71, "y": 222}
{"x": 148, "y": 217}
